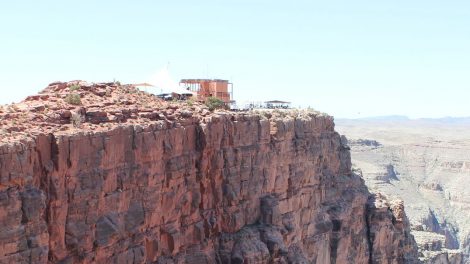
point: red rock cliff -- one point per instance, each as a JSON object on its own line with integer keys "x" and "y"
{"x": 267, "y": 187}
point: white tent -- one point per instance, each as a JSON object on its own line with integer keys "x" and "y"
{"x": 163, "y": 83}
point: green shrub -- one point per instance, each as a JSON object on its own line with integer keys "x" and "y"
{"x": 74, "y": 99}
{"x": 74, "y": 87}
{"x": 214, "y": 103}
{"x": 190, "y": 101}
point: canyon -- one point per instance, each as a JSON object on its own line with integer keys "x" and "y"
{"x": 123, "y": 177}
{"x": 425, "y": 163}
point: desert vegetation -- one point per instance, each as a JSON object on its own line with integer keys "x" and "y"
{"x": 214, "y": 103}
{"x": 73, "y": 98}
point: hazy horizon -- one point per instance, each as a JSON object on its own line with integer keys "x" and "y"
{"x": 348, "y": 59}
{"x": 404, "y": 117}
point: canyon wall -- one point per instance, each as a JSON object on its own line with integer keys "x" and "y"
{"x": 425, "y": 163}
{"x": 224, "y": 188}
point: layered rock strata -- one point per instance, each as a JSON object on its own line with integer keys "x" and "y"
{"x": 268, "y": 187}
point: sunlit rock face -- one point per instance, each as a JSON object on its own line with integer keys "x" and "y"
{"x": 223, "y": 187}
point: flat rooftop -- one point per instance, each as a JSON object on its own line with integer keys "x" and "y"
{"x": 202, "y": 80}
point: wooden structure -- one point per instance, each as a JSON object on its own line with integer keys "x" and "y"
{"x": 205, "y": 88}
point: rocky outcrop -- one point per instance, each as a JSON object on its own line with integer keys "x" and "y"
{"x": 392, "y": 233}
{"x": 272, "y": 187}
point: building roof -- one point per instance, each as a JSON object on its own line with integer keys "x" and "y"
{"x": 277, "y": 102}
{"x": 141, "y": 84}
{"x": 202, "y": 80}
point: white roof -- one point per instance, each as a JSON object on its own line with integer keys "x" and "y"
{"x": 163, "y": 83}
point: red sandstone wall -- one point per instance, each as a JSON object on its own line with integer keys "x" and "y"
{"x": 230, "y": 188}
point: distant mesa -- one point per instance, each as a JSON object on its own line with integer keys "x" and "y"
{"x": 432, "y": 186}
{"x": 365, "y": 142}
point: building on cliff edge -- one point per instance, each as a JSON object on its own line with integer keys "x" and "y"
{"x": 204, "y": 88}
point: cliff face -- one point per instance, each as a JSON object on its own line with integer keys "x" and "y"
{"x": 224, "y": 188}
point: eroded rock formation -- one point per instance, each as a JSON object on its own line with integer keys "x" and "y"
{"x": 223, "y": 187}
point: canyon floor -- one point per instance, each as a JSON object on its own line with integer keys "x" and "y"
{"x": 424, "y": 162}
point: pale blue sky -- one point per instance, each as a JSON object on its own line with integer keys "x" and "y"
{"x": 346, "y": 58}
